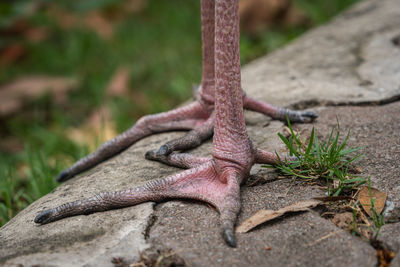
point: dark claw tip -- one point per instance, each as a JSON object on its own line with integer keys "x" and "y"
{"x": 311, "y": 115}
{"x": 44, "y": 217}
{"x": 164, "y": 150}
{"x": 63, "y": 176}
{"x": 150, "y": 154}
{"x": 229, "y": 237}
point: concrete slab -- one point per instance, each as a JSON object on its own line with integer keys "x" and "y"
{"x": 298, "y": 240}
{"x": 351, "y": 60}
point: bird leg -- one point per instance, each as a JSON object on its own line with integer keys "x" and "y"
{"x": 193, "y": 117}
{"x": 215, "y": 180}
{"x": 197, "y": 117}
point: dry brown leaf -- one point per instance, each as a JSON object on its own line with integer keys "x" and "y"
{"x": 266, "y": 215}
{"x": 98, "y": 23}
{"x": 95, "y": 20}
{"x": 294, "y": 17}
{"x": 36, "y": 34}
{"x": 127, "y": 8}
{"x": 97, "y": 129}
{"x": 65, "y": 19}
{"x": 365, "y": 198}
{"x": 11, "y": 144}
{"x": 134, "y": 6}
{"x": 332, "y": 198}
{"x": 288, "y": 133}
{"x": 257, "y": 15}
{"x": 14, "y": 94}
{"x": 118, "y": 85}
{"x": 11, "y": 53}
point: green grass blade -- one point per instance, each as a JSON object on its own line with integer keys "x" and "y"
{"x": 289, "y": 145}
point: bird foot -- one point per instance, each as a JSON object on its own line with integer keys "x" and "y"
{"x": 202, "y": 182}
{"x": 213, "y": 181}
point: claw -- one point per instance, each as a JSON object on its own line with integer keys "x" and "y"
{"x": 151, "y": 155}
{"x": 63, "y": 176}
{"x": 306, "y": 116}
{"x": 156, "y": 156}
{"x": 164, "y": 150}
{"x": 44, "y": 217}
{"x": 229, "y": 237}
{"x": 299, "y": 116}
{"x": 310, "y": 114}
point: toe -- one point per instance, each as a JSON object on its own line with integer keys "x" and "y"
{"x": 44, "y": 217}
{"x": 303, "y": 116}
{"x": 63, "y": 176}
{"x": 164, "y": 150}
{"x": 310, "y": 114}
{"x": 229, "y": 236}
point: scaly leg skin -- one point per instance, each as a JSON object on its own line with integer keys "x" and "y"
{"x": 197, "y": 117}
{"x": 214, "y": 180}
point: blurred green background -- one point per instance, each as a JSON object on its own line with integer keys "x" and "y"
{"x": 75, "y": 73}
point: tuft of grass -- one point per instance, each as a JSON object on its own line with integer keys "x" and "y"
{"x": 16, "y": 194}
{"x": 363, "y": 224}
{"x": 329, "y": 161}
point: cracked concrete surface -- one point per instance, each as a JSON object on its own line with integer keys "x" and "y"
{"x": 352, "y": 60}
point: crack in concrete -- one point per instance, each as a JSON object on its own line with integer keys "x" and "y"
{"x": 329, "y": 103}
{"x": 383, "y": 250}
{"x": 396, "y": 40}
{"x": 150, "y": 223}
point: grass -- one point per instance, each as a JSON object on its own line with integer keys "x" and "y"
{"x": 329, "y": 161}
{"x": 378, "y": 219}
{"x": 161, "y": 47}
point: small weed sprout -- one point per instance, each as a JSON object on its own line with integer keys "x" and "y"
{"x": 377, "y": 218}
{"x": 329, "y": 160}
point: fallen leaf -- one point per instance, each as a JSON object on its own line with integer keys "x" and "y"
{"x": 94, "y": 20}
{"x": 11, "y": 53}
{"x": 288, "y": 133}
{"x": 257, "y": 15}
{"x": 125, "y": 9}
{"x": 118, "y": 85}
{"x": 97, "y": 129}
{"x": 97, "y": 22}
{"x": 21, "y": 27}
{"x": 134, "y": 6}
{"x": 37, "y": 34}
{"x": 365, "y": 198}
{"x": 13, "y": 95}
{"x": 65, "y": 19}
{"x": 266, "y": 215}
{"x": 11, "y": 144}
{"x": 294, "y": 17}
